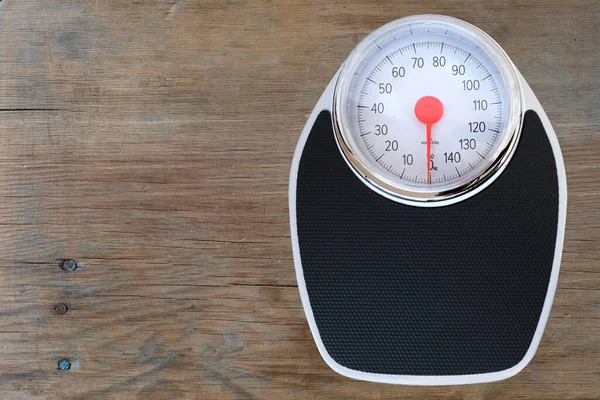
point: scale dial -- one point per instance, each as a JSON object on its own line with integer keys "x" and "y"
{"x": 427, "y": 108}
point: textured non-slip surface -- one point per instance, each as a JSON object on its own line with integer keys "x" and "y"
{"x": 406, "y": 290}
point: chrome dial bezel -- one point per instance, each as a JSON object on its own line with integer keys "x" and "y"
{"x": 402, "y": 193}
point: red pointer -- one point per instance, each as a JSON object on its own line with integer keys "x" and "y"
{"x": 429, "y": 110}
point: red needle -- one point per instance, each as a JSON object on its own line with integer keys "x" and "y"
{"x": 429, "y": 110}
{"x": 429, "y": 153}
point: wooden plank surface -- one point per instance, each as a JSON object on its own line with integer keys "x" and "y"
{"x": 151, "y": 141}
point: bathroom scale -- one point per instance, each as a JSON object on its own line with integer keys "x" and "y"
{"x": 427, "y": 205}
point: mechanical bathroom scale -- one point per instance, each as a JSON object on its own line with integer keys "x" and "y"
{"x": 427, "y": 207}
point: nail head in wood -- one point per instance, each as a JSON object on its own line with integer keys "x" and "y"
{"x": 64, "y": 364}
{"x": 68, "y": 265}
{"x": 61, "y": 308}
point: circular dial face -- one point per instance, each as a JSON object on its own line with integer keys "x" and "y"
{"x": 425, "y": 108}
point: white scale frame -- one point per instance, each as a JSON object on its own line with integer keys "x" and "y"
{"x": 529, "y": 102}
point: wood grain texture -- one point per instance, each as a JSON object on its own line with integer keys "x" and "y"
{"x": 151, "y": 141}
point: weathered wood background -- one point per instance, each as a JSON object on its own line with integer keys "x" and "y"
{"x": 151, "y": 141}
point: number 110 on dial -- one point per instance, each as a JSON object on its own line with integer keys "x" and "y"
{"x": 424, "y": 108}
